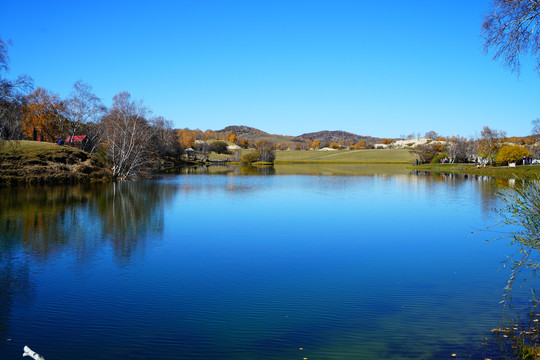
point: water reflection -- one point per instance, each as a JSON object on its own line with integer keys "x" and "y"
{"x": 314, "y": 260}
{"x": 486, "y": 187}
{"x": 15, "y": 286}
{"x": 46, "y": 221}
{"x": 226, "y": 170}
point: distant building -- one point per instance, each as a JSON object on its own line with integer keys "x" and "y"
{"x": 76, "y": 141}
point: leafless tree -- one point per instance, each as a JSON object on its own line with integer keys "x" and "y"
{"x": 127, "y": 134}
{"x": 266, "y": 151}
{"x": 166, "y": 139}
{"x": 83, "y": 106}
{"x": 536, "y": 127}
{"x": 489, "y": 142}
{"x": 458, "y": 149}
{"x": 510, "y": 29}
{"x": 11, "y": 97}
{"x": 432, "y": 135}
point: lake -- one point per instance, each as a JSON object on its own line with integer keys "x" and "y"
{"x": 221, "y": 263}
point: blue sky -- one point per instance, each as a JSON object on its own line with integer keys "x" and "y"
{"x": 286, "y": 67}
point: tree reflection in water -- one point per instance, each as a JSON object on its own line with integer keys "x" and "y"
{"x": 46, "y": 221}
{"x": 129, "y": 212}
{"x": 38, "y": 224}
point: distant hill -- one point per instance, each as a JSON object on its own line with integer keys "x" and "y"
{"x": 249, "y": 133}
{"x": 242, "y": 131}
{"x": 326, "y": 137}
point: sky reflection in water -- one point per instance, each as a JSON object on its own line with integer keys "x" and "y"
{"x": 236, "y": 267}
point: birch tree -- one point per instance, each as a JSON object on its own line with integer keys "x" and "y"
{"x": 12, "y": 95}
{"x": 127, "y": 134}
{"x": 511, "y": 29}
{"x": 83, "y": 106}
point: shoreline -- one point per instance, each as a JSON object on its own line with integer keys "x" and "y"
{"x": 522, "y": 172}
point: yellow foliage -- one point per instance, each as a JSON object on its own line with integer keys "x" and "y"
{"x": 511, "y": 153}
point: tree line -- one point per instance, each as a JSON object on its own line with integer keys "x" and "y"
{"x": 491, "y": 147}
{"x": 127, "y": 135}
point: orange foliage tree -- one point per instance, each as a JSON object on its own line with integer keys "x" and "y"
{"x": 244, "y": 143}
{"x": 360, "y": 145}
{"x": 334, "y": 145}
{"x": 43, "y": 115}
{"x": 186, "y": 138}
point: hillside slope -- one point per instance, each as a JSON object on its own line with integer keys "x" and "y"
{"x": 336, "y": 136}
{"x": 37, "y": 163}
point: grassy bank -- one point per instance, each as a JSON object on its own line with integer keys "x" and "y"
{"x": 525, "y": 172}
{"x": 371, "y": 156}
{"x": 380, "y": 156}
{"x": 37, "y": 163}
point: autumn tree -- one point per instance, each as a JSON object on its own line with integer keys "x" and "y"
{"x": 360, "y": 145}
{"x": 510, "y": 29}
{"x": 210, "y": 134}
{"x": 244, "y": 143}
{"x": 315, "y": 145}
{"x": 489, "y": 142}
{"x": 186, "y": 138}
{"x": 12, "y": 97}
{"x": 282, "y": 146}
{"x": 233, "y": 138}
{"x": 43, "y": 115}
{"x": 511, "y": 153}
{"x": 82, "y": 106}
{"x": 127, "y": 134}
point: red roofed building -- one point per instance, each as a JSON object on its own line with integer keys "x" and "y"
{"x": 77, "y": 140}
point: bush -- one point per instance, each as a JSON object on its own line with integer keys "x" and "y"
{"x": 250, "y": 158}
{"x": 511, "y": 153}
{"x": 437, "y": 158}
{"x": 220, "y": 147}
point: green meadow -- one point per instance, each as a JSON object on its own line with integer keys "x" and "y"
{"x": 371, "y": 156}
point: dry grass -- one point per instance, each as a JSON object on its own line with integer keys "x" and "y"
{"x": 33, "y": 163}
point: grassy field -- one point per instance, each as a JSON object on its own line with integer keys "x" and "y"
{"x": 380, "y": 156}
{"x": 341, "y": 169}
{"x": 525, "y": 172}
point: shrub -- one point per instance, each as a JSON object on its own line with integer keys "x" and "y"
{"x": 437, "y": 158}
{"x": 252, "y": 157}
{"x": 220, "y": 147}
{"x": 511, "y": 153}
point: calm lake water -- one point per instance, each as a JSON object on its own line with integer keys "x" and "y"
{"x": 222, "y": 265}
